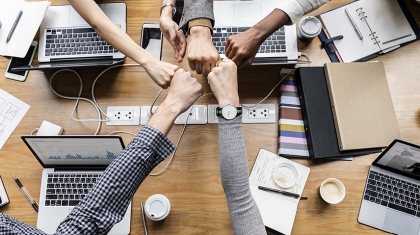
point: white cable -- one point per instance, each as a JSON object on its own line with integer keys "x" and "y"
{"x": 306, "y": 56}
{"x": 34, "y": 131}
{"x": 154, "y": 101}
{"x": 179, "y": 139}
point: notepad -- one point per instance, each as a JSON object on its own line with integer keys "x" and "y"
{"x": 33, "y": 13}
{"x": 277, "y": 211}
{"x": 382, "y": 23}
{"x": 361, "y": 104}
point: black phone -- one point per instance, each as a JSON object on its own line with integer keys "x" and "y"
{"x": 17, "y": 62}
{"x": 151, "y": 39}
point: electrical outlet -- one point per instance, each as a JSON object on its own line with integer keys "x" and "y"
{"x": 211, "y": 113}
{"x": 123, "y": 115}
{"x": 262, "y": 113}
{"x": 145, "y": 114}
{"x": 197, "y": 115}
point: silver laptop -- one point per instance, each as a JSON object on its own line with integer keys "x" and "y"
{"x": 391, "y": 200}
{"x": 232, "y": 17}
{"x": 72, "y": 165}
{"x": 67, "y": 41}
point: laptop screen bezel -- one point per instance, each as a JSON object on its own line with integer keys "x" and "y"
{"x": 375, "y": 163}
{"x": 24, "y": 137}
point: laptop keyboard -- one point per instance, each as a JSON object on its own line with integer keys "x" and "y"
{"x": 80, "y": 41}
{"x": 393, "y": 193}
{"x": 68, "y": 189}
{"x": 276, "y": 43}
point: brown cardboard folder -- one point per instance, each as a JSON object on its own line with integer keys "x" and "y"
{"x": 362, "y": 107}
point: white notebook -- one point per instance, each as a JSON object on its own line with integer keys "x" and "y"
{"x": 278, "y": 211}
{"x": 382, "y": 24}
{"x": 33, "y": 13}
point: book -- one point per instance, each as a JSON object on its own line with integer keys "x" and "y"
{"x": 362, "y": 108}
{"x": 26, "y": 28}
{"x": 4, "y": 199}
{"x": 292, "y": 139}
{"x": 318, "y": 116}
{"x": 278, "y": 211}
{"x": 368, "y": 28}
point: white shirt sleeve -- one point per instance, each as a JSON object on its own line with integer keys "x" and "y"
{"x": 297, "y": 8}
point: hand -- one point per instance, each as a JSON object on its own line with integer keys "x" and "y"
{"x": 183, "y": 92}
{"x": 224, "y": 83}
{"x": 242, "y": 47}
{"x": 160, "y": 72}
{"x": 201, "y": 53}
{"x": 175, "y": 37}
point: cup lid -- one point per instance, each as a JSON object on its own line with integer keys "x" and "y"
{"x": 285, "y": 175}
{"x": 157, "y": 206}
{"x": 310, "y": 26}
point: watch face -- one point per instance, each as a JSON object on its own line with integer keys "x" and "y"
{"x": 229, "y": 112}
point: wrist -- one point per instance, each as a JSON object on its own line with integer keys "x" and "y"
{"x": 166, "y": 13}
{"x": 229, "y": 100}
{"x": 259, "y": 33}
{"x": 200, "y": 31}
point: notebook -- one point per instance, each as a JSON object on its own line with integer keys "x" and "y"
{"x": 278, "y": 212}
{"x": 233, "y": 17}
{"x": 382, "y": 24}
{"x": 67, "y": 41}
{"x": 26, "y": 28}
{"x": 318, "y": 117}
{"x": 362, "y": 108}
{"x": 72, "y": 165}
{"x": 391, "y": 196}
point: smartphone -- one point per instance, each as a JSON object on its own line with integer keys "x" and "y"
{"x": 151, "y": 39}
{"x": 17, "y": 62}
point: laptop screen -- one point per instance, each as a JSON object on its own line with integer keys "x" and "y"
{"x": 401, "y": 157}
{"x": 64, "y": 150}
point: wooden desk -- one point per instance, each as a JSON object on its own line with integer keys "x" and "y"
{"x": 192, "y": 182}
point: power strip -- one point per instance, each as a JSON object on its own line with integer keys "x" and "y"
{"x": 123, "y": 115}
{"x": 263, "y": 113}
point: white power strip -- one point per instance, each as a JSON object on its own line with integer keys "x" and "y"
{"x": 263, "y": 113}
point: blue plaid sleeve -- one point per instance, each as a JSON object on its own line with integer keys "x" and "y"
{"x": 106, "y": 203}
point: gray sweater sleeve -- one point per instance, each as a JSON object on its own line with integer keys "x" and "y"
{"x": 194, "y": 9}
{"x": 244, "y": 214}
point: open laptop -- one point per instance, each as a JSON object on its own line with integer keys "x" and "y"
{"x": 67, "y": 41}
{"x": 232, "y": 17}
{"x": 72, "y": 165}
{"x": 391, "y": 200}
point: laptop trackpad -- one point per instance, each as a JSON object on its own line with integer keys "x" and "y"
{"x": 400, "y": 223}
{"x": 244, "y": 13}
{"x": 76, "y": 19}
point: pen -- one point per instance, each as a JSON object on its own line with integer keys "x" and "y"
{"x": 14, "y": 26}
{"x": 359, "y": 34}
{"x": 144, "y": 219}
{"x": 295, "y": 195}
{"x": 33, "y": 203}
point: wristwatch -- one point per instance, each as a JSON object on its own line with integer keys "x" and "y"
{"x": 229, "y": 111}
{"x": 168, "y": 5}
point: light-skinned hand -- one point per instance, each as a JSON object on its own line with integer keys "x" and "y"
{"x": 175, "y": 37}
{"x": 160, "y": 72}
{"x": 242, "y": 47}
{"x": 224, "y": 83}
{"x": 201, "y": 54}
{"x": 183, "y": 92}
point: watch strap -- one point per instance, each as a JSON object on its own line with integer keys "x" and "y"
{"x": 168, "y": 5}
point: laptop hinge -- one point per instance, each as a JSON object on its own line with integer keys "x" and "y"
{"x": 80, "y": 168}
{"x": 81, "y": 58}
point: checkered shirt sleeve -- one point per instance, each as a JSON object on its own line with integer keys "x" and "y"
{"x": 107, "y": 202}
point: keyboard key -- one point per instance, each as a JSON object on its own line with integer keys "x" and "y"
{"x": 73, "y": 202}
{"x": 47, "y": 203}
{"x": 402, "y": 209}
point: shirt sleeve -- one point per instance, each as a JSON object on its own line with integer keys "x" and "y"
{"x": 195, "y": 9}
{"x": 245, "y": 216}
{"x": 297, "y": 8}
{"x": 107, "y": 202}
{"x": 10, "y": 225}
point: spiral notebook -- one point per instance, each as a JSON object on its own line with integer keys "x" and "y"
{"x": 368, "y": 27}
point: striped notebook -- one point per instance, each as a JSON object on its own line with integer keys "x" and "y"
{"x": 292, "y": 138}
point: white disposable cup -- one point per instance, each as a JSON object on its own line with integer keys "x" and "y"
{"x": 157, "y": 207}
{"x": 309, "y": 28}
{"x": 332, "y": 191}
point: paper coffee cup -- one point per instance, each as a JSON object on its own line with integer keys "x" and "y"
{"x": 309, "y": 28}
{"x": 157, "y": 207}
{"x": 332, "y": 191}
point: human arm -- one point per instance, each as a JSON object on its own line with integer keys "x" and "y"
{"x": 171, "y": 31}
{"x": 160, "y": 72}
{"x": 243, "y": 47}
{"x": 107, "y": 202}
{"x": 244, "y": 213}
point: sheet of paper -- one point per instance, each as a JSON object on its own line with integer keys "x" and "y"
{"x": 12, "y": 111}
